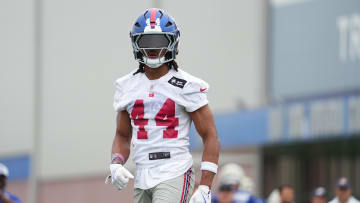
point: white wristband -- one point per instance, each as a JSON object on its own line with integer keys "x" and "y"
{"x": 208, "y": 166}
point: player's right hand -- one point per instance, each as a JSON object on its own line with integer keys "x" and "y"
{"x": 119, "y": 176}
{"x": 201, "y": 195}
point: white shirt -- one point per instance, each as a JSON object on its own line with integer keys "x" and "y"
{"x": 160, "y": 120}
{"x": 351, "y": 200}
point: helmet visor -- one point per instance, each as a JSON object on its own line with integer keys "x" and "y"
{"x": 153, "y": 41}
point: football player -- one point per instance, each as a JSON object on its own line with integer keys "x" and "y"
{"x": 235, "y": 186}
{"x": 155, "y": 105}
{"x": 344, "y": 192}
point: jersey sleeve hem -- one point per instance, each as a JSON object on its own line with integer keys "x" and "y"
{"x": 119, "y": 109}
{"x": 197, "y": 106}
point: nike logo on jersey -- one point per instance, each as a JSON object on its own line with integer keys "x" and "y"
{"x": 202, "y": 89}
{"x": 177, "y": 82}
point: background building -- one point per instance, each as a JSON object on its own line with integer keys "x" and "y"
{"x": 284, "y": 77}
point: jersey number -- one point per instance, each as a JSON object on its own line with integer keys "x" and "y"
{"x": 165, "y": 117}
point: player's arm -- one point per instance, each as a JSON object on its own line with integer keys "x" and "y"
{"x": 205, "y": 126}
{"x": 120, "y": 151}
{"x": 122, "y": 139}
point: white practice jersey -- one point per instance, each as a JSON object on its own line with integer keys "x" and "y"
{"x": 160, "y": 121}
{"x": 350, "y": 200}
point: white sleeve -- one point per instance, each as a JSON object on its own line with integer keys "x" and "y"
{"x": 119, "y": 103}
{"x": 194, "y": 95}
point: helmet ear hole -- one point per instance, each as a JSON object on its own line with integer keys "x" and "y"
{"x": 168, "y": 55}
{"x": 168, "y": 24}
{"x": 139, "y": 55}
{"x": 137, "y": 24}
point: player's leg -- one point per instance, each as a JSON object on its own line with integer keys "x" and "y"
{"x": 176, "y": 190}
{"x": 141, "y": 196}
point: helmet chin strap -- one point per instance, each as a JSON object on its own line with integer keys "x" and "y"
{"x": 154, "y": 63}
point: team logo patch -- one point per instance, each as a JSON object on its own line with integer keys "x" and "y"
{"x": 177, "y": 82}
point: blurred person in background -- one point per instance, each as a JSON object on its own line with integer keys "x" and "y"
{"x": 319, "y": 195}
{"x": 274, "y": 196}
{"x": 282, "y": 194}
{"x": 343, "y": 192}
{"x": 235, "y": 186}
{"x": 286, "y": 194}
{"x": 6, "y": 197}
{"x": 155, "y": 106}
{"x": 247, "y": 185}
{"x": 225, "y": 194}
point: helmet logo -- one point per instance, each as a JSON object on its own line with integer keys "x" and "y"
{"x": 153, "y": 26}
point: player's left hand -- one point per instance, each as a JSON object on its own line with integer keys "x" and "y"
{"x": 201, "y": 195}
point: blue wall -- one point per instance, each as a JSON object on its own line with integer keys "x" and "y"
{"x": 253, "y": 128}
{"x": 238, "y": 129}
{"x": 19, "y": 166}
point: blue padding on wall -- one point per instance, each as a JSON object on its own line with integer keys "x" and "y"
{"x": 19, "y": 166}
{"x": 243, "y": 128}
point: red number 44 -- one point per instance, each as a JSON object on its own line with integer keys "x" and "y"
{"x": 165, "y": 117}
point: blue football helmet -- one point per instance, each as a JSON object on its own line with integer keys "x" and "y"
{"x": 155, "y": 38}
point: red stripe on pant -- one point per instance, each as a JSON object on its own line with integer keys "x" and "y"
{"x": 185, "y": 185}
{"x": 188, "y": 183}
